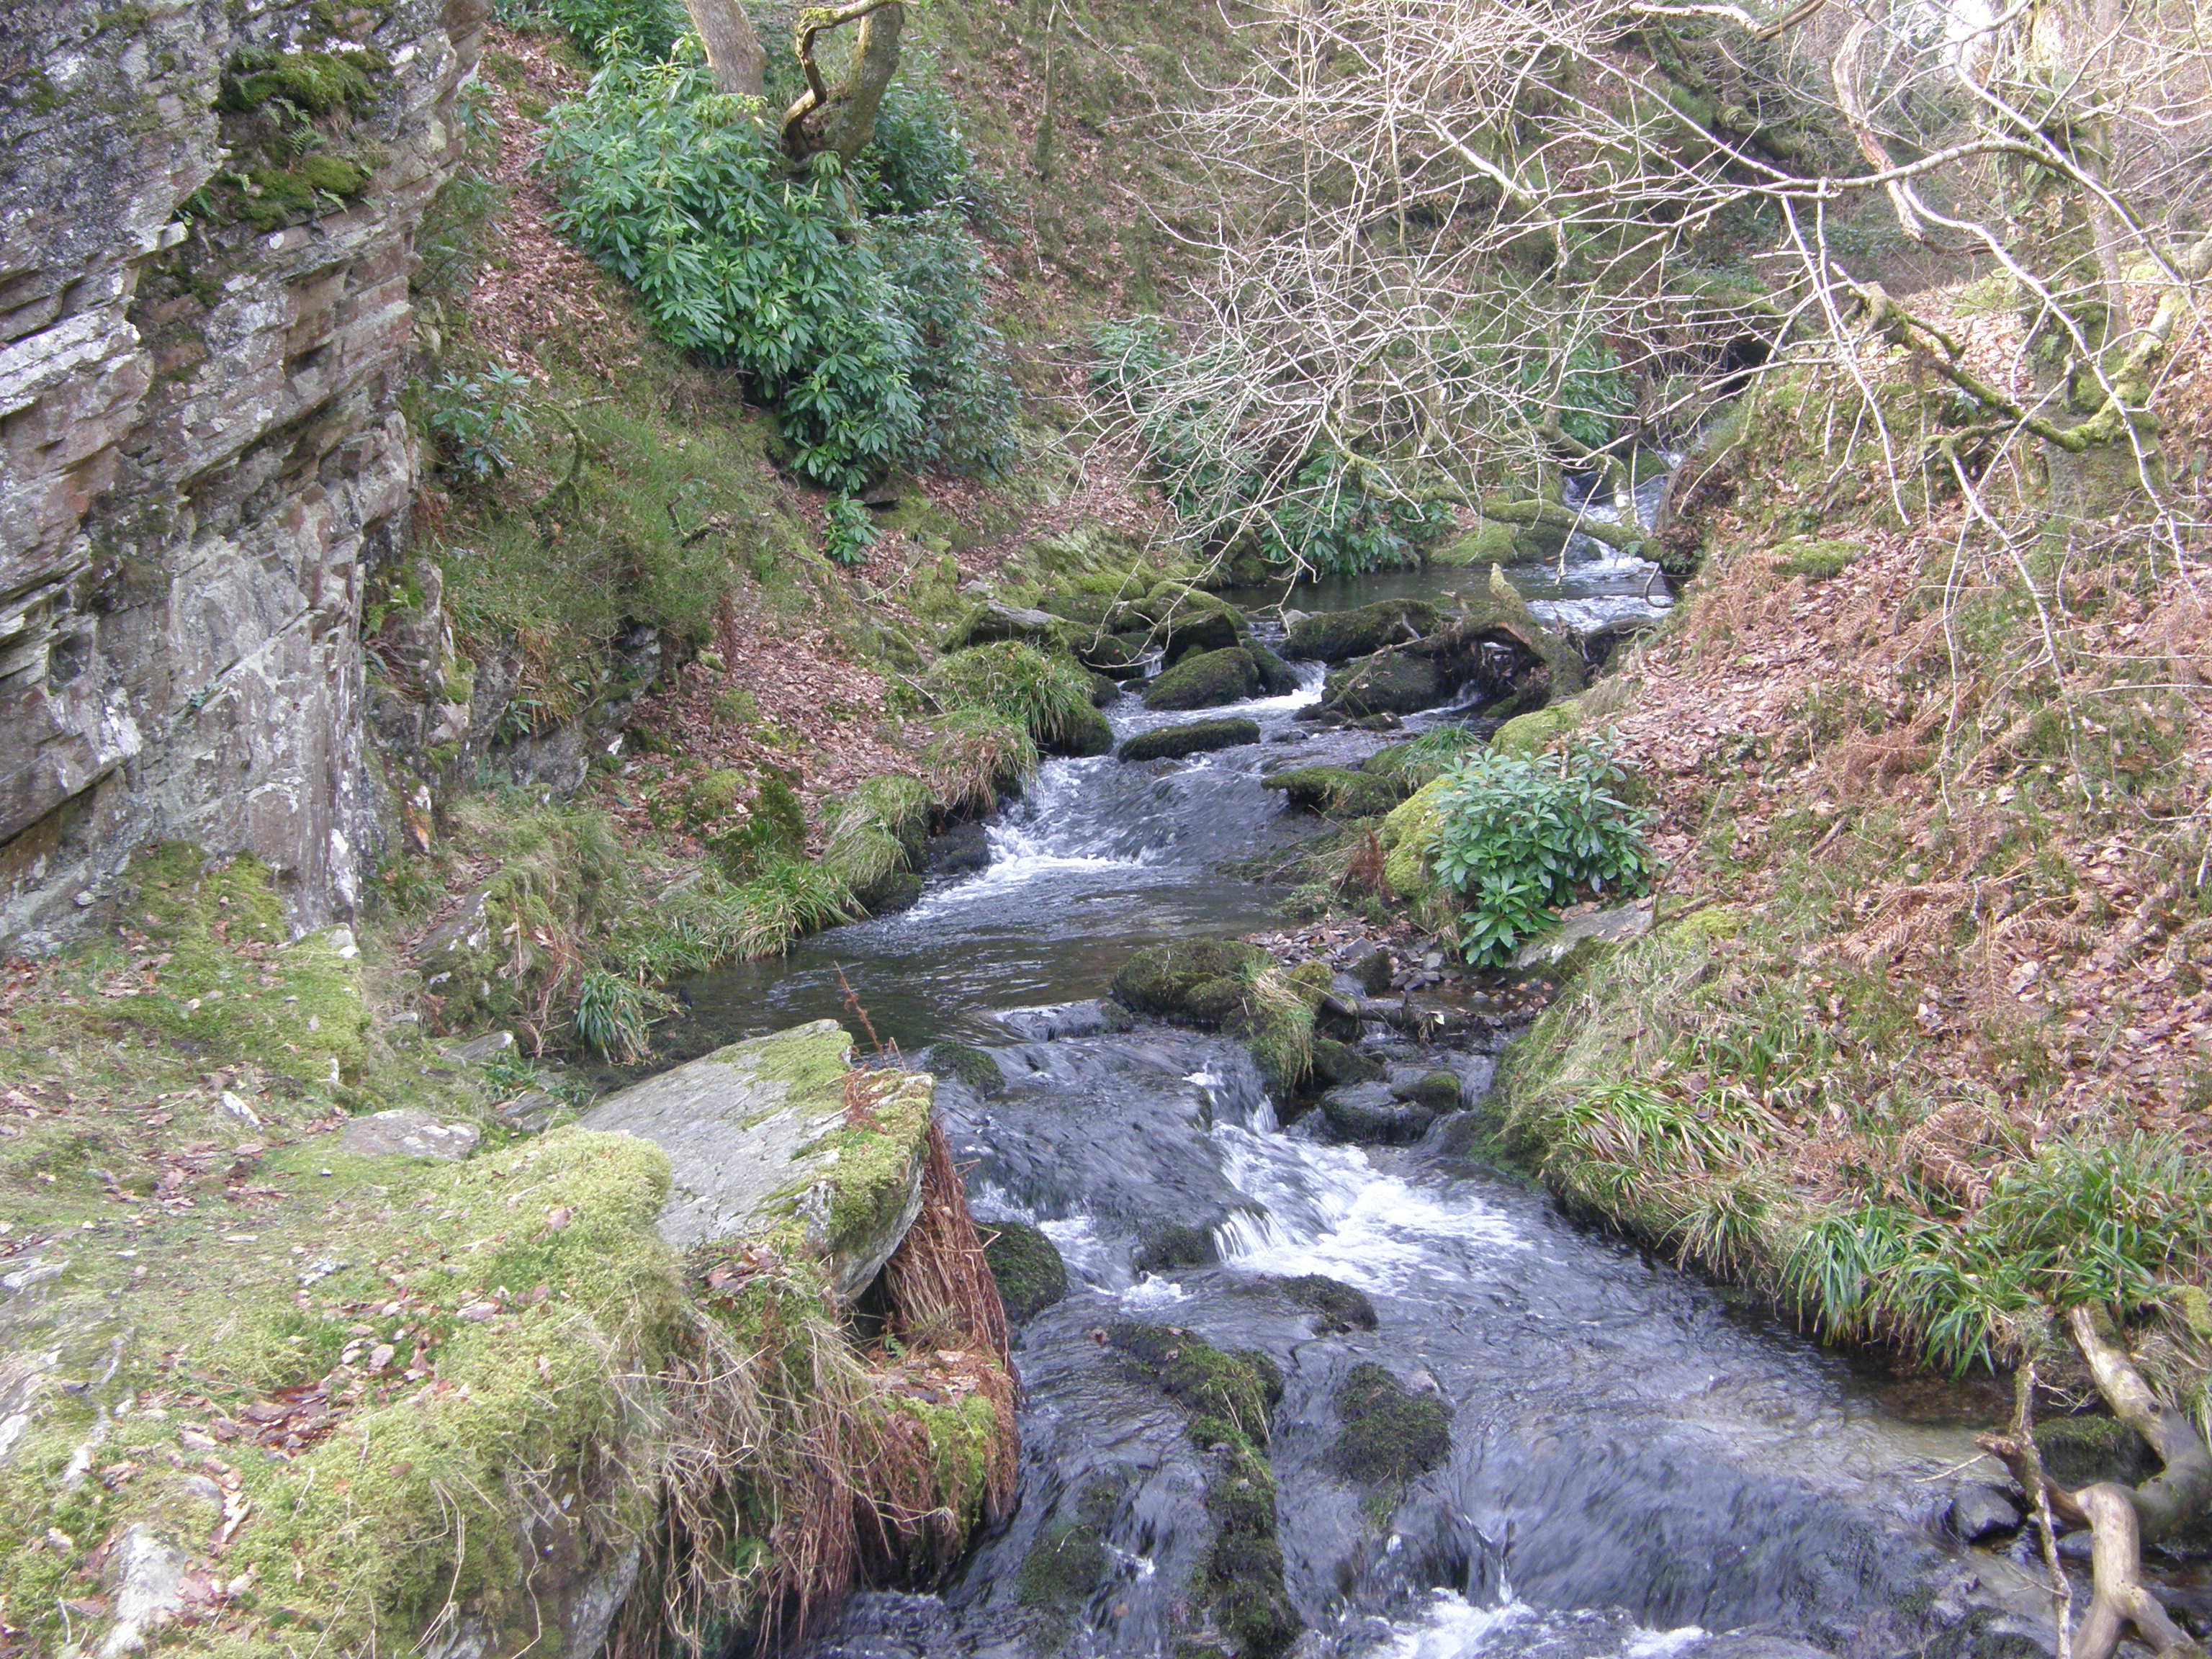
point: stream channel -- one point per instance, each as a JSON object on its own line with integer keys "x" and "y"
{"x": 1640, "y": 1465}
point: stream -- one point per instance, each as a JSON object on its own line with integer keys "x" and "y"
{"x": 1640, "y": 1465}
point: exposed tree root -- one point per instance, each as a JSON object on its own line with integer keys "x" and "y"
{"x": 2122, "y": 1518}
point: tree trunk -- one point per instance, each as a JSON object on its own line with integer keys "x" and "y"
{"x": 733, "y": 49}
{"x": 844, "y": 120}
{"x": 2121, "y": 1518}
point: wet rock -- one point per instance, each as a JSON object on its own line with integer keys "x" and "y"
{"x": 1201, "y": 981}
{"x": 1206, "y": 681}
{"x": 1336, "y": 636}
{"x": 2080, "y": 1451}
{"x": 1392, "y": 683}
{"x": 1163, "y": 1247}
{"x": 1194, "y": 628}
{"x": 1277, "y": 678}
{"x": 1335, "y": 1062}
{"x": 749, "y": 1135}
{"x": 971, "y": 1065}
{"x": 1069, "y": 1019}
{"x": 901, "y": 889}
{"x": 1373, "y": 971}
{"x": 1026, "y": 1265}
{"x": 960, "y": 851}
{"x": 1979, "y": 1513}
{"x": 1390, "y": 1432}
{"x": 1083, "y": 732}
{"x": 406, "y": 1133}
{"x": 1584, "y": 939}
{"x": 1195, "y": 738}
{"x": 1369, "y": 1114}
{"x": 1433, "y": 1091}
{"x": 1339, "y": 1307}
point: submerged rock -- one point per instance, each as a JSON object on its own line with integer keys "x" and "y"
{"x": 1206, "y": 681}
{"x": 1339, "y": 1307}
{"x": 1196, "y": 738}
{"x": 1390, "y": 1433}
{"x": 1979, "y": 1512}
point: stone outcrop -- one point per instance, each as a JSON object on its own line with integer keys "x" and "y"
{"x": 206, "y": 218}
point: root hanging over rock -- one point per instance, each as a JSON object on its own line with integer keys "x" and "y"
{"x": 2122, "y": 1519}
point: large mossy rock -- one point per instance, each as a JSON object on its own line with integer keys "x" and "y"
{"x": 1199, "y": 983}
{"x": 1206, "y": 681}
{"x": 1335, "y": 636}
{"x": 1408, "y": 836}
{"x": 762, "y": 1148}
{"x": 1391, "y": 683}
{"x": 992, "y": 622}
{"x": 1082, "y": 732}
{"x": 1337, "y": 792}
{"x": 1195, "y": 738}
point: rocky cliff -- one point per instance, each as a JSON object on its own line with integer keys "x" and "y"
{"x": 206, "y": 214}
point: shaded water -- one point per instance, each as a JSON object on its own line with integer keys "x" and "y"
{"x": 1639, "y": 1467}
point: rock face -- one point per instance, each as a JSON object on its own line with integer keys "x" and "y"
{"x": 201, "y": 348}
{"x": 761, "y": 1137}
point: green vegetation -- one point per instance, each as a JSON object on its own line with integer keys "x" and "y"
{"x": 1320, "y": 512}
{"x": 1026, "y": 1267}
{"x": 1221, "y": 984}
{"x": 868, "y": 338}
{"x": 477, "y": 418}
{"x": 1047, "y": 696}
{"x": 1518, "y": 837}
{"x": 605, "y": 29}
{"x": 1389, "y": 1434}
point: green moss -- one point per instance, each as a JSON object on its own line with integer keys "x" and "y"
{"x": 1197, "y": 737}
{"x": 2080, "y": 1451}
{"x": 316, "y": 82}
{"x": 1489, "y": 542}
{"x": 1048, "y": 696}
{"x": 1219, "y": 984}
{"x": 1389, "y": 1434}
{"x": 1337, "y": 792}
{"x": 1165, "y": 1246}
{"x": 1815, "y": 560}
{"x": 1334, "y": 636}
{"x": 1340, "y": 1308}
{"x": 1161, "y": 979}
{"x": 1027, "y": 1267}
{"x": 970, "y": 1065}
{"x": 1206, "y": 680}
{"x": 1534, "y": 733}
{"x": 1408, "y": 836}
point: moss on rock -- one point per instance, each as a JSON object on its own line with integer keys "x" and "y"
{"x": 1389, "y": 1434}
{"x": 1534, "y": 733}
{"x": 1336, "y": 636}
{"x": 970, "y": 1065}
{"x": 1391, "y": 683}
{"x": 1337, "y": 792}
{"x": 1195, "y": 738}
{"x": 1027, "y": 1267}
{"x": 1206, "y": 680}
{"x": 1339, "y": 1307}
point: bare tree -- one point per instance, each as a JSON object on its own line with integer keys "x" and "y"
{"x": 1449, "y": 230}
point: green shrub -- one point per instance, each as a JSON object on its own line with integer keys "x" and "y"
{"x": 1047, "y": 696}
{"x": 919, "y": 159}
{"x": 477, "y": 419}
{"x": 1519, "y": 836}
{"x": 606, "y": 29}
{"x": 847, "y": 532}
{"x": 673, "y": 187}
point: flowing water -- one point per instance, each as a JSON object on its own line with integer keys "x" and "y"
{"x": 1640, "y": 1467}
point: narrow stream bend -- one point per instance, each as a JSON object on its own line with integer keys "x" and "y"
{"x": 1637, "y": 1466}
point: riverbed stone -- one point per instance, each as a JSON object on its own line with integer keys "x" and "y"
{"x": 1431, "y": 1090}
{"x": 961, "y": 850}
{"x": 1390, "y": 684}
{"x": 407, "y": 1133}
{"x": 1336, "y": 636}
{"x": 1337, "y": 792}
{"x": 994, "y": 621}
{"x": 1194, "y": 738}
{"x": 1980, "y": 1512}
{"x": 1339, "y": 1309}
{"x": 1206, "y": 681}
{"x": 762, "y": 1145}
{"x": 1369, "y": 1113}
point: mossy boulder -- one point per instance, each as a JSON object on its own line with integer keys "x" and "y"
{"x": 1538, "y": 730}
{"x": 1188, "y": 981}
{"x": 972, "y": 1066}
{"x": 1335, "y": 1062}
{"x": 1391, "y": 683}
{"x": 1194, "y": 738}
{"x": 1433, "y": 1091}
{"x": 1026, "y": 1267}
{"x": 1389, "y": 1433}
{"x": 1372, "y": 1115}
{"x": 1199, "y": 622}
{"x": 1164, "y": 1245}
{"x": 1121, "y": 656}
{"x": 1339, "y": 1309}
{"x": 1206, "y": 681}
{"x": 1082, "y": 732}
{"x": 2080, "y": 1451}
{"x": 1816, "y": 560}
{"x": 1336, "y": 636}
{"x": 1408, "y": 836}
{"x": 1488, "y": 543}
{"x": 1277, "y": 678}
{"x": 992, "y": 622}
{"x": 1337, "y": 792}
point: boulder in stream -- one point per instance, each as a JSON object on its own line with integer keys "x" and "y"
{"x": 1206, "y": 681}
{"x": 1195, "y": 738}
{"x": 1335, "y": 636}
{"x": 1980, "y": 1512}
{"x": 1390, "y": 684}
{"x": 1026, "y": 1265}
{"x": 1337, "y": 792}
